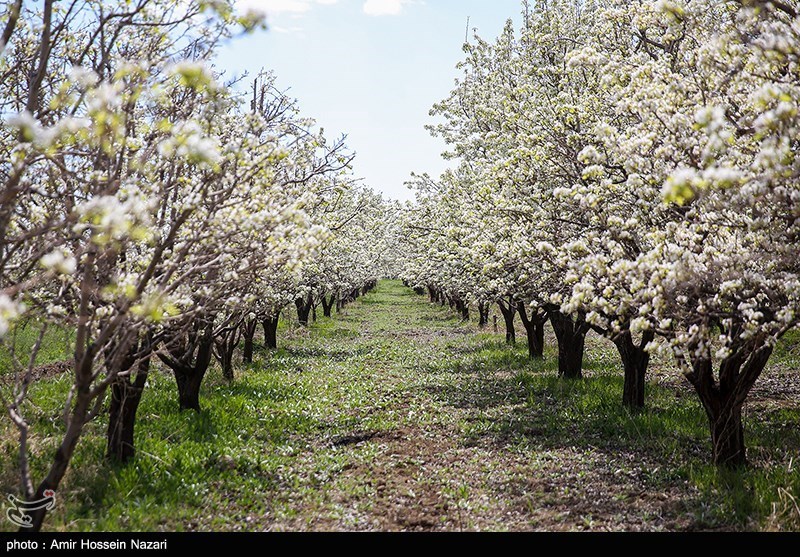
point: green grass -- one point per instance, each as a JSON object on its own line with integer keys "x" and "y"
{"x": 57, "y": 345}
{"x": 395, "y": 409}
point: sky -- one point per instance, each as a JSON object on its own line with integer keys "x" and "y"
{"x": 371, "y": 69}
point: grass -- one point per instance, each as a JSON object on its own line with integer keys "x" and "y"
{"x": 57, "y": 345}
{"x": 396, "y": 416}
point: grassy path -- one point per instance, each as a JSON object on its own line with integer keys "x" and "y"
{"x": 394, "y": 416}
{"x": 430, "y": 425}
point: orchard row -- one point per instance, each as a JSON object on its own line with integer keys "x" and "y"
{"x": 156, "y": 211}
{"x": 629, "y": 168}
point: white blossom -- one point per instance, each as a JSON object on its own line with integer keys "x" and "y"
{"x": 59, "y": 261}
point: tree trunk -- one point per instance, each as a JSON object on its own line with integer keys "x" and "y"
{"x": 727, "y": 437}
{"x": 226, "y": 362}
{"x": 723, "y": 399}
{"x": 78, "y": 417}
{"x": 508, "y": 316}
{"x": 462, "y": 308}
{"x": 571, "y": 336}
{"x": 303, "y": 310}
{"x": 432, "y": 294}
{"x": 126, "y": 394}
{"x": 634, "y": 361}
{"x": 483, "y": 312}
{"x": 327, "y": 306}
{"x": 189, "y": 381}
{"x": 249, "y": 333}
{"x": 271, "y": 332}
{"x": 534, "y": 329}
{"x": 225, "y": 344}
{"x": 536, "y": 346}
{"x": 125, "y": 398}
{"x": 189, "y": 360}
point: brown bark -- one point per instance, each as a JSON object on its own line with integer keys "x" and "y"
{"x": 189, "y": 381}
{"x": 509, "y": 310}
{"x": 78, "y": 416}
{"x": 723, "y": 399}
{"x": 225, "y": 344}
{"x": 189, "y": 359}
{"x": 304, "y": 306}
{"x": 463, "y": 309}
{"x": 571, "y": 336}
{"x": 271, "y": 332}
{"x": 37, "y": 77}
{"x": 248, "y": 334}
{"x": 634, "y": 362}
{"x": 483, "y": 314}
{"x": 534, "y": 328}
{"x": 11, "y": 24}
{"x": 327, "y": 305}
{"x": 126, "y": 394}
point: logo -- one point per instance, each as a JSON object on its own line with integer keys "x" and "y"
{"x": 18, "y": 512}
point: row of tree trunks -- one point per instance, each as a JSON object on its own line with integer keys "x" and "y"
{"x": 570, "y": 333}
{"x": 722, "y": 399}
{"x": 348, "y": 298}
{"x": 456, "y": 302}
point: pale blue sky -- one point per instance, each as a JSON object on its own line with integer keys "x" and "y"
{"x": 371, "y": 69}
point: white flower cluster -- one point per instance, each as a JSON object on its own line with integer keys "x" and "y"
{"x": 9, "y": 312}
{"x": 637, "y": 167}
{"x": 59, "y": 261}
{"x": 110, "y": 218}
{"x": 188, "y": 141}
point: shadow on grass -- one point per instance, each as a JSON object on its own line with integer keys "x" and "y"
{"x": 535, "y": 410}
{"x": 338, "y": 333}
{"x": 440, "y": 318}
{"x": 487, "y": 359}
{"x": 331, "y": 354}
{"x": 484, "y": 347}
